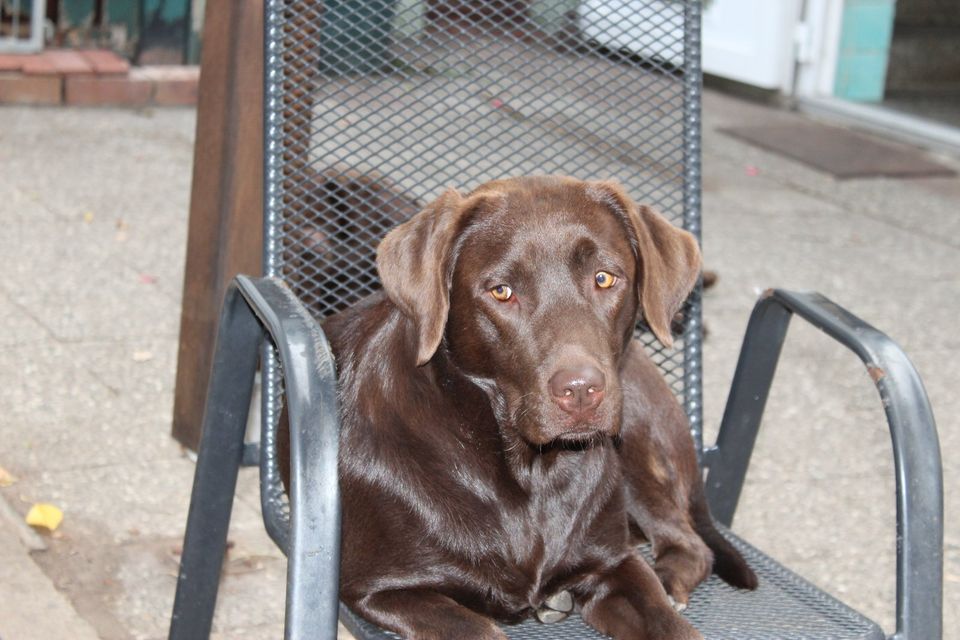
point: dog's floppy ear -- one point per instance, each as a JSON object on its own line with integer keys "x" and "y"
{"x": 414, "y": 261}
{"x": 669, "y": 257}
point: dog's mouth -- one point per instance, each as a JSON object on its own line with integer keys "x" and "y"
{"x": 566, "y": 433}
{"x": 579, "y": 440}
{"x": 570, "y": 441}
{"x": 580, "y": 436}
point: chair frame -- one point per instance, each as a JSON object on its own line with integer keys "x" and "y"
{"x": 253, "y": 310}
{"x": 263, "y": 310}
{"x": 913, "y": 432}
{"x": 263, "y": 321}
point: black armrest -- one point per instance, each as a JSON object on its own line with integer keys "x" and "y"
{"x": 916, "y": 447}
{"x": 310, "y": 535}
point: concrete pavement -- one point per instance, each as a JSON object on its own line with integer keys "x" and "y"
{"x": 93, "y": 205}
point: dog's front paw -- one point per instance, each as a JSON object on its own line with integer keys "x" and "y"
{"x": 555, "y": 608}
{"x": 679, "y": 607}
{"x": 675, "y": 587}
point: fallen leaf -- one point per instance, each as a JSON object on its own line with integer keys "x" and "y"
{"x": 6, "y": 478}
{"x": 142, "y": 356}
{"x": 44, "y": 515}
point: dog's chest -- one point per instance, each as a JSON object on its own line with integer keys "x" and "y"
{"x": 551, "y": 536}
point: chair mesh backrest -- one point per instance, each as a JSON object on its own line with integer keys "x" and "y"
{"x": 373, "y": 107}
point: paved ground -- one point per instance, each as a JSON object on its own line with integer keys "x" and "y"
{"x": 93, "y": 208}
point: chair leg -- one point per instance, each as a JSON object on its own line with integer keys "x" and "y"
{"x": 219, "y": 458}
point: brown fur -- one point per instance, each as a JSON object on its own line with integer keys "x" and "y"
{"x": 471, "y": 492}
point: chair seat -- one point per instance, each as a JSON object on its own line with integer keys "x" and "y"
{"x": 784, "y": 607}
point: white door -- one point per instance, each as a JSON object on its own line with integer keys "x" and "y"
{"x": 752, "y": 41}
{"x": 819, "y": 49}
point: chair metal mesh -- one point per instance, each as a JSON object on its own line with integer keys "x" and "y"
{"x": 373, "y": 107}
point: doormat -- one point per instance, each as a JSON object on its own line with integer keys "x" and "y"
{"x": 842, "y": 153}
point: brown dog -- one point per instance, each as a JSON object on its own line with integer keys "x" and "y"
{"x": 504, "y": 439}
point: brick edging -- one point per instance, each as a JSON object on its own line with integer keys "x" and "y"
{"x": 93, "y": 78}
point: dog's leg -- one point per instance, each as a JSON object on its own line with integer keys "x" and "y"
{"x": 688, "y": 548}
{"x": 659, "y": 464}
{"x": 421, "y": 614}
{"x": 628, "y": 603}
{"x": 681, "y": 558}
{"x": 682, "y": 562}
{"x": 666, "y": 503}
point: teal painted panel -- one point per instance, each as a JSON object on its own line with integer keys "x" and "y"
{"x": 166, "y": 32}
{"x": 864, "y": 48}
{"x": 867, "y": 25}
{"x": 76, "y": 12}
{"x": 861, "y": 77}
{"x": 126, "y": 13}
{"x": 166, "y": 10}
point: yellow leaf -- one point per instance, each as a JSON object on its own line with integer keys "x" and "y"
{"x": 44, "y": 515}
{"x": 6, "y": 478}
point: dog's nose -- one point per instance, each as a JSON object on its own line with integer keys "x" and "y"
{"x": 578, "y": 390}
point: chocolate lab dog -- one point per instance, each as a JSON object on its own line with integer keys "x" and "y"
{"x": 505, "y": 441}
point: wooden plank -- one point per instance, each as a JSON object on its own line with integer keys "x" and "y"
{"x": 225, "y": 230}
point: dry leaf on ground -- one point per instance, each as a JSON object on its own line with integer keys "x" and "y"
{"x": 44, "y": 515}
{"x": 6, "y": 478}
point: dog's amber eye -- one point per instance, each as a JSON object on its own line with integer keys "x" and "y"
{"x": 605, "y": 280}
{"x": 502, "y": 292}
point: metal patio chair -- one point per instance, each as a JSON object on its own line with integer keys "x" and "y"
{"x": 372, "y": 105}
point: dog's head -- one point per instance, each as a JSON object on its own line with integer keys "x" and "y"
{"x": 534, "y": 286}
